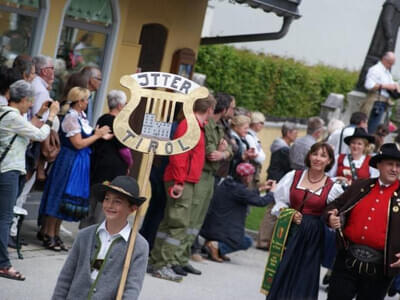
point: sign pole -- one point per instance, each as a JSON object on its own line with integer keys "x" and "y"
{"x": 154, "y": 138}
{"x": 143, "y": 181}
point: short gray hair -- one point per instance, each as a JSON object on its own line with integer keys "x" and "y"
{"x": 314, "y": 124}
{"x": 41, "y": 61}
{"x": 19, "y": 90}
{"x": 288, "y": 127}
{"x": 115, "y": 97}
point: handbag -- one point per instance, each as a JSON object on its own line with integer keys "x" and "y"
{"x": 50, "y": 147}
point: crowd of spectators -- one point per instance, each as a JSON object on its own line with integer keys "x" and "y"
{"x": 200, "y": 198}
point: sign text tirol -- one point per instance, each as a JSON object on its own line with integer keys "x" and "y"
{"x": 159, "y": 113}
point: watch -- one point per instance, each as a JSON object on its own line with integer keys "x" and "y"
{"x": 50, "y": 123}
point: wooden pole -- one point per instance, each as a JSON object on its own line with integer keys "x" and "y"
{"x": 143, "y": 181}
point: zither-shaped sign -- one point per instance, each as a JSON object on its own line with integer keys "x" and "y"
{"x": 159, "y": 113}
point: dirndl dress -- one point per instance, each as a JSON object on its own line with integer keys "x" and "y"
{"x": 67, "y": 188}
{"x": 297, "y": 276}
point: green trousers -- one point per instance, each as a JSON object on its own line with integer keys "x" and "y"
{"x": 203, "y": 192}
{"x": 182, "y": 220}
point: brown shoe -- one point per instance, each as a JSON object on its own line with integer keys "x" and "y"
{"x": 225, "y": 258}
{"x": 212, "y": 251}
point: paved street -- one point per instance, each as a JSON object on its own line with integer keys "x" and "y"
{"x": 238, "y": 280}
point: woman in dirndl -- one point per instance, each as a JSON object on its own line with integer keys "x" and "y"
{"x": 66, "y": 193}
{"x": 307, "y": 192}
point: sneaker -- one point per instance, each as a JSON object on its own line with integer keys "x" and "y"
{"x": 167, "y": 273}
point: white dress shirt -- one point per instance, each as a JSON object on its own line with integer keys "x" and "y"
{"x": 334, "y": 140}
{"x": 106, "y": 240}
{"x": 41, "y": 95}
{"x": 378, "y": 74}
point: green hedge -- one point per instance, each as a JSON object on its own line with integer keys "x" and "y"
{"x": 275, "y": 86}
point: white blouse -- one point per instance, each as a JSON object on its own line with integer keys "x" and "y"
{"x": 282, "y": 192}
{"x": 357, "y": 163}
{"x": 71, "y": 126}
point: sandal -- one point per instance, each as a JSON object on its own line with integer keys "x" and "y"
{"x": 11, "y": 273}
{"x": 60, "y": 243}
{"x": 52, "y": 244}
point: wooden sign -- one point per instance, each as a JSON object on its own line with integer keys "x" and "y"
{"x": 154, "y": 136}
{"x": 159, "y": 113}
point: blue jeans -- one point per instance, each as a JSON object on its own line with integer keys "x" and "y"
{"x": 376, "y": 116}
{"x": 225, "y": 249}
{"x": 9, "y": 189}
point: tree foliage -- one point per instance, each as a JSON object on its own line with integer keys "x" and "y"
{"x": 276, "y": 86}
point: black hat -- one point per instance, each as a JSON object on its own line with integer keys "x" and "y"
{"x": 124, "y": 185}
{"x": 387, "y": 151}
{"x": 361, "y": 134}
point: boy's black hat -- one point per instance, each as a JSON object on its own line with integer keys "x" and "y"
{"x": 387, "y": 151}
{"x": 361, "y": 134}
{"x": 124, "y": 185}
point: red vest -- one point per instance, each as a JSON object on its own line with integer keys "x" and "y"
{"x": 307, "y": 202}
{"x": 367, "y": 222}
{"x": 362, "y": 172}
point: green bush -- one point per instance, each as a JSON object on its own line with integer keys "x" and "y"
{"x": 276, "y": 86}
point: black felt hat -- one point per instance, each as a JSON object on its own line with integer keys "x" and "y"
{"x": 359, "y": 133}
{"x": 387, "y": 151}
{"x": 124, "y": 185}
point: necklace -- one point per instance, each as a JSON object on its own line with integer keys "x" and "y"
{"x": 316, "y": 181}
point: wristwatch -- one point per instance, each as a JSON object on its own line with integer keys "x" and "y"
{"x": 50, "y": 123}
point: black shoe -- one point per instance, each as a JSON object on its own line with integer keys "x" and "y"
{"x": 179, "y": 270}
{"x": 392, "y": 290}
{"x": 51, "y": 244}
{"x": 190, "y": 269}
{"x": 60, "y": 243}
{"x": 41, "y": 237}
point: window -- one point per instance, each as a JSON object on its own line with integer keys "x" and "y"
{"x": 20, "y": 27}
{"x": 83, "y": 38}
{"x": 88, "y": 37}
{"x": 152, "y": 38}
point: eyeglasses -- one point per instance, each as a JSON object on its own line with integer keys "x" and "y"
{"x": 98, "y": 78}
{"x": 50, "y": 67}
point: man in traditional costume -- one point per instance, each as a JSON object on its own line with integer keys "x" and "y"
{"x": 366, "y": 217}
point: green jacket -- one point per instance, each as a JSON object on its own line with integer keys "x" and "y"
{"x": 214, "y": 133}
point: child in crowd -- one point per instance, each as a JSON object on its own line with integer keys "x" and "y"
{"x": 94, "y": 265}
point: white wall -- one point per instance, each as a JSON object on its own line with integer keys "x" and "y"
{"x": 332, "y": 32}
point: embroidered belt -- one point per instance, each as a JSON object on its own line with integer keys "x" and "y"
{"x": 364, "y": 260}
{"x": 366, "y": 254}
